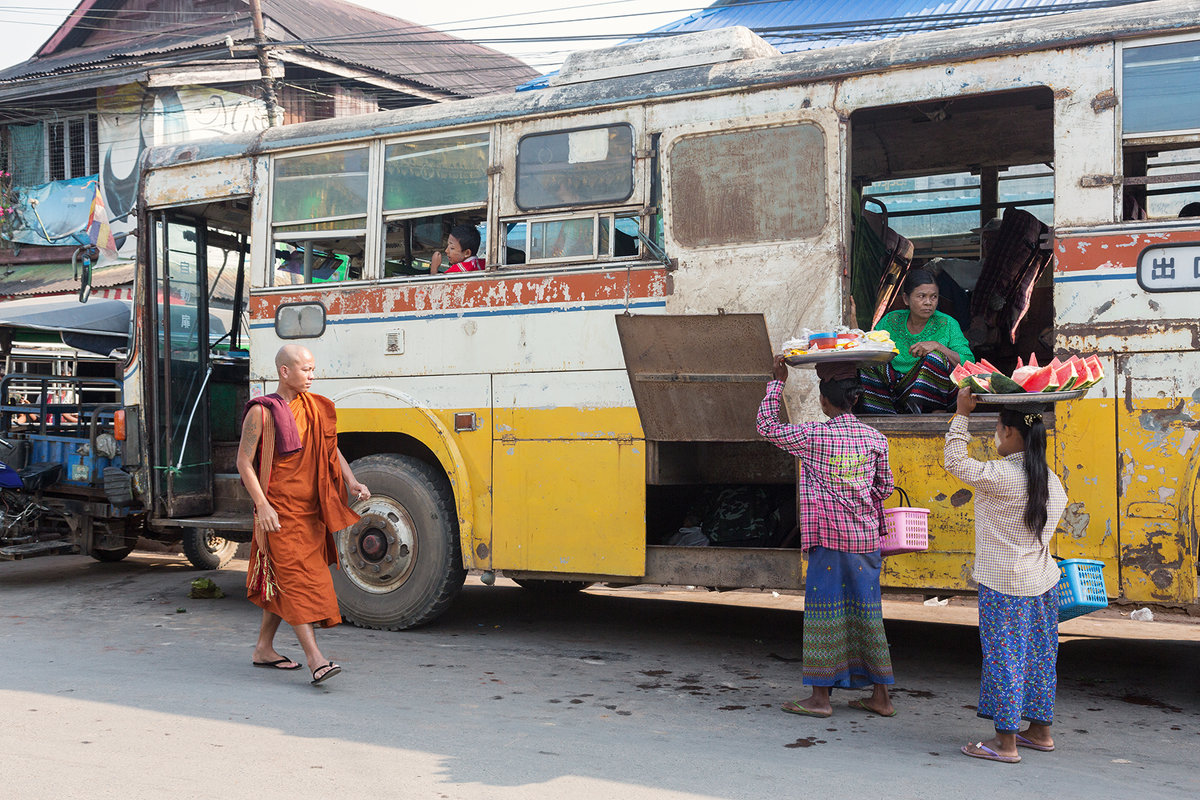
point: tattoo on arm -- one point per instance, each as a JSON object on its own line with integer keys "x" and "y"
{"x": 251, "y": 433}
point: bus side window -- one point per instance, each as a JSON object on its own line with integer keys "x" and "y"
{"x": 429, "y": 186}
{"x": 1161, "y": 156}
{"x": 319, "y": 216}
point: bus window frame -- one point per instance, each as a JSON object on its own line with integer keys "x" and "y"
{"x": 1173, "y": 136}
{"x": 428, "y": 211}
{"x": 1174, "y": 139}
{"x": 633, "y": 168}
{"x": 511, "y": 133}
{"x": 370, "y": 267}
{"x": 595, "y": 258}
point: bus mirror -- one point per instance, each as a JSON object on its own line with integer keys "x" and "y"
{"x": 83, "y": 271}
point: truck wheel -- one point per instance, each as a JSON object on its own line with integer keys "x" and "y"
{"x": 111, "y": 556}
{"x": 400, "y": 564}
{"x": 206, "y": 550}
{"x": 545, "y": 586}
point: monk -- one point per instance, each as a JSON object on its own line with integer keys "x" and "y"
{"x": 297, "y": 513}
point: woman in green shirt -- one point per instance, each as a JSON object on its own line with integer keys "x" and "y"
{"x": 931, "y": 345}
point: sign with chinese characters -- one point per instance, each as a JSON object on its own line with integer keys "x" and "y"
{"x": 1170, "y": 268}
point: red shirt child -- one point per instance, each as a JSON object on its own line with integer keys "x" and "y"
{"x": 461, "y": 246}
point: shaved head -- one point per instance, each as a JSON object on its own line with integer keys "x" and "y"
{"x": 291, "y": 354}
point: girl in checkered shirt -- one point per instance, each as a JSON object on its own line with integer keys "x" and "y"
{"x": 1018, "y": 503}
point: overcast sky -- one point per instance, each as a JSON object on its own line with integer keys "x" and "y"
{"x": 24, "y": 27}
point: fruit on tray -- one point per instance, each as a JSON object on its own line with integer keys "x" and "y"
{"x": 1057, "y": 376}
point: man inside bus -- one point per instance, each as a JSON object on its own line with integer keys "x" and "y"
{"x": 461, "y": 246}
{"x": 299, "y": 491}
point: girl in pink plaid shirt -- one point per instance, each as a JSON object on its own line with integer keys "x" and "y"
{"x": 844, "y": 478}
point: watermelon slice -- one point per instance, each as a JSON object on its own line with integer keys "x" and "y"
{"x": 1067, "y": 376}
{"x": 1095, "y": 370}
{"x": 1022, "y": 374}
{"x": 1081, "y": 370}
{"x": 987, "y": 367}
{"x": 1040, "y": 380}
{"x": 1002, "y": 384}
{"x": 961, "y": 376}
{"x": 980, "y": 384}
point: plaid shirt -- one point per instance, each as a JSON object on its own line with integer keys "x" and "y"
{"x": 1008, "y": 557}
{"x": 844, "y": 476}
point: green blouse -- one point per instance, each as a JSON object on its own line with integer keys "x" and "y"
{"x": 941, "y": 328}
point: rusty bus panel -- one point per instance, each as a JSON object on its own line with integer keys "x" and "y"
{"x": 697, "y": 378}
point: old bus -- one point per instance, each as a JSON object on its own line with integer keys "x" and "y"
{"x": 654, "y": 224}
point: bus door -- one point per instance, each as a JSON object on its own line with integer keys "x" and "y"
{"x": 182, "y": 465}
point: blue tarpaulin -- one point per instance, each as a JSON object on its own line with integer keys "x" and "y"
{"x": 60, "y": 215}
{"x": 791, "y": 25}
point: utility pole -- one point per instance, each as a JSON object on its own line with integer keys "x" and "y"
{"x": 264, "y": 64}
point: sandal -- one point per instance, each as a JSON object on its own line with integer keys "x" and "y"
{"x": 327, "y": 670}
{"x": 988, "y": 754}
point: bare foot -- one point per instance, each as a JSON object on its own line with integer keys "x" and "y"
{"x": 272, "y": 658}
{"x": 872, "y": 704}
{"x": 996, "y": 748}
{"x": 814, "y": 706}
{"x": 1036, "y": 737}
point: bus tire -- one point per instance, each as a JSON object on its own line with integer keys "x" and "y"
{"x": 400, "y": 565}
{"x": 551, "y": 587}
{"x": 111, "y": 556}
{"x": 205, "y": 550}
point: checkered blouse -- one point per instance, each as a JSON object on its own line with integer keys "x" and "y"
{"x": 844, "y": 476}
{"x": 1008, "y": 557}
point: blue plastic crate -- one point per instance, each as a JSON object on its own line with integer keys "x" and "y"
{"x": 1081, "y": 589}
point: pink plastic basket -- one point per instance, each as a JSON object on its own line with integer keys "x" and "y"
{"x": 907, "y": 528}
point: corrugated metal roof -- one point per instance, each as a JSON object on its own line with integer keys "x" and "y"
{"x": 792, "y": 25}
{"x": 404, "y": 49}
{"x": 57, "y": 278}
{"x": 132, "y": 49}
{"x": 330, "y": 29}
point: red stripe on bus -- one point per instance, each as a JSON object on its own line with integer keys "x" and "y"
{"x": 451, "y": 295}
{"x": 1112, "y": 251}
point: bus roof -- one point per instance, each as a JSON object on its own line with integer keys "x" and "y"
{"x": 1162, "y": 17}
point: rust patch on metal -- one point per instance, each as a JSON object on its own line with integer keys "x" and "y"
{"x": 1149, "y": 558}
{"x": 1100, "y": 309}
{"x": 1075, "y": 520}
{"x": 1125, "y": 328}
{"x": 482, "y": 550}
{"x": 1157, "y": 420}
{"x": 1104, "y": 101}
{"x": 961, "y": 497}
{"x": 1062, "y": 94}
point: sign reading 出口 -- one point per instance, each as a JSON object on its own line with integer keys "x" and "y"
{"x": 1170, "y": 268}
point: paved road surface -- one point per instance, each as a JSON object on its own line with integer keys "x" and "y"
{"x": 108, "y": 692}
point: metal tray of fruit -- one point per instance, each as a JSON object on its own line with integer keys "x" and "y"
{"x": 1029, "y": 398}
{"x": 845, "y": 355}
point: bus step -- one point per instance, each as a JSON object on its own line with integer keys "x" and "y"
{"x": 16, "y": 552}
{"x": 221, "y": 521}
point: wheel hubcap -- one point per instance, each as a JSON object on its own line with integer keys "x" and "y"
{"x": 378, "y": 553}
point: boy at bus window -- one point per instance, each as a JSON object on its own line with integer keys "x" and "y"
{"x": 461, "y": 246}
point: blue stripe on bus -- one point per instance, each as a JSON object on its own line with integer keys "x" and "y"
{"x": 1073, "y": 278}
{"x": 502, "y": 312}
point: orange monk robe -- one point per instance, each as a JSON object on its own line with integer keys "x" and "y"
{"x": 308, "y": 493}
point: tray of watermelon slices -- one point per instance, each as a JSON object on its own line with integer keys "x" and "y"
{"x": 1032, "y": 382}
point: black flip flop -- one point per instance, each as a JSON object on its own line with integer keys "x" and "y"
{"x": 330, "y": 668}
{"x": 276, "y": 664}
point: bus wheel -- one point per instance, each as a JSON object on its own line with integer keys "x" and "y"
{"x": 206, "y": 550}
{"x": 544, "y": 586}
{"x": 400, "y": 564}
{"x": 112, "y": 556}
